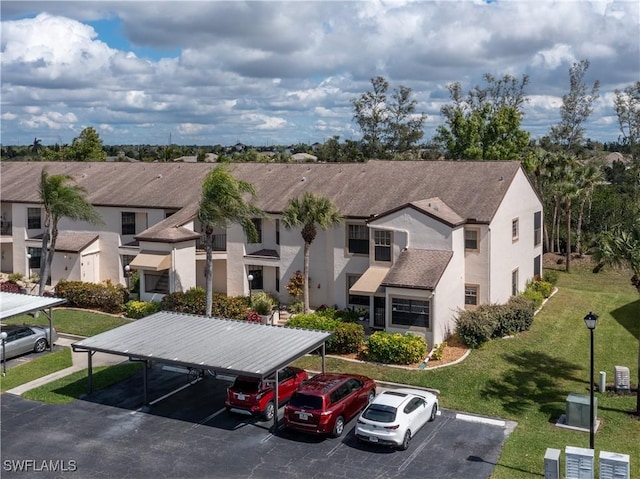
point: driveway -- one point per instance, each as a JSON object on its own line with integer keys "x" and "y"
{"x": 187, "y": 433}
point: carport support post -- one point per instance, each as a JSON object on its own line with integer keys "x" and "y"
{"x": 276, "y": 401}
{"x": 90, "y": 370}
{"x": 144, "y": 383}
{"x": 324, "y": 364}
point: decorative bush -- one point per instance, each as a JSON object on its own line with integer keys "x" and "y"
{"x": 16, "y": 277}
{"x": 543, "y": 287}
{"x": 534, "y": 296}
{"x": 522, "y": 311}
{"x": 347, "y": 337}
{"x": 550, "y": 276}
{"x": 262, "y": 303}
{"x": 253, "y": 317}
{"x": 476, "y": 327}
{"x": 396, "y": 348}
{"x": 296, "y": 307}
{"x": 10, "y": 286}
{"x": 140, "y": 309}
{"x": 107, "y": 297}
{"x": 438, "y": 352}
{"x": 295, "y": 286}
{"x": 193, "y": 301}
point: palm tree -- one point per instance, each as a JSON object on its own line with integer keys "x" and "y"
{"x": 36, "y": 148}
{"x": 60, "y": 199}
{"x": 588, "y": 176}
{"x": 310, "y": 212}
{"x": 223, "y": 203}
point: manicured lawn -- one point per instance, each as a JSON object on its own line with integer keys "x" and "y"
{"x": 71, "y": 321}
{"x": 527, "y": 378}
{"x": 69, "y": 388}
{"x": 35, "y": 369}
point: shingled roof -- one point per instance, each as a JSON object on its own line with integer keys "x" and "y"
{"x": 418, "y": 269}
{"x": 471, "y": 189}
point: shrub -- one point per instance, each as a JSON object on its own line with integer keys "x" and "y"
{"x": 543, "y": 287}
{"x": 193, "y": 301}
{"x": 296, "y": 307}
{"x": 262, "y": 303}
{"x": 10, "y": 286}
{"x": 107, "y": 297}
{"x": 438, "y": 352}
{"x": 295, "y": 286}
{"x": 522, "y": 311}
{"x": 140, "y": 309}
{"x": 396, "y": 348}
{"x": 534, "y": 296}
{"x": 347, "y": 338}
{"x": 16, "y": 277}
{"x": 550, "y": 276}
{"x": 475, "y": 327}
{"x": 253, "y": 317}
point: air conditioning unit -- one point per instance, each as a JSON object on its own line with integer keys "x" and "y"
{"x": 621, "y": 377}
{"x": 578, "y": 463}
{"x": 614, "y": 465}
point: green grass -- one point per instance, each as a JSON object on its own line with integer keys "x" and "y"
{"x": 72, "y": 387}
{"x": 71, "y": 321}
{"x": 35, "y": 369}
{"x": 528, "y": 378}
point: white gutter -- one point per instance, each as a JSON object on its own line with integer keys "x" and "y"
{"x": 389, "y": 228}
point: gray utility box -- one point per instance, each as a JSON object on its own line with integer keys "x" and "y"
{"x": 578, "y": 406}
{"x": 621, "y": 379}
{"x": 614, "y": 465}
{"x": 578, "y": 463}
{"x": 552, "y": 464}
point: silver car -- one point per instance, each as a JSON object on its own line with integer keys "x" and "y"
{"x": 25, "y": 339}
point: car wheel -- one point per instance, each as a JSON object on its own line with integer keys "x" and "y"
{"x": 40, "y": 346}
{"x": 269, "y": 411}
{"x": 434, "y": 411}
{"x": 370, "y": 397}
{"x": 338, "y": 427}
{"x": 405, "y": 442}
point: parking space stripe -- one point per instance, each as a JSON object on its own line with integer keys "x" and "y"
{"x": 208, "y": 418}
{"x": 155, "y": 401}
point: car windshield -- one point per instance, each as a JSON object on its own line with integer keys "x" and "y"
{"x": 306, "y": 401}
{"x": 380, "y": 413}
{"x": 245, "y": 385}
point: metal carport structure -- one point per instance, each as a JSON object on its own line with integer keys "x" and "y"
{"x": 226, "y": 346}
{"x": 17, "y": 304}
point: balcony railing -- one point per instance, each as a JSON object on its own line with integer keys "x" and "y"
{"x": 219, "y": 242}
{"x": 6, "y": 228}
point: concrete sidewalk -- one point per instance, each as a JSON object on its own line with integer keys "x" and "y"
{"x": 79, "y": 363}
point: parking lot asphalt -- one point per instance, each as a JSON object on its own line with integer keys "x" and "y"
{"x": 187, "y": 433}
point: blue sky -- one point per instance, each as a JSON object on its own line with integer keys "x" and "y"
{"x": 269, "y": 72}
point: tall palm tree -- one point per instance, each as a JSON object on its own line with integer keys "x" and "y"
{"x": 61, "y": 199}
{"x": 36, "y": 148}
{"x": 223, "y": 203}
{"x": 310, "y": 212}
{"x": 588, "y": 176}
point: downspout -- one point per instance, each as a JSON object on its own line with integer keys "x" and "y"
{"x": 490, "y": 264}
{"x": 172, "y": 272}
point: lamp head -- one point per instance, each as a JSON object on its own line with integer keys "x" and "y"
{"x": 127, "y": 268}
{"x": 590, "y": 320}
{"x": 250, "y": 277}
{"x": 3, "y": 335}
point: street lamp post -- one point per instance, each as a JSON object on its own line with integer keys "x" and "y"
{"x": 590, "y": 320}
{"x": 250, "y": 278}
{"x": 29, "y": 266}
{"x": 3, "y": 337}
{"x": 127, "y": 276}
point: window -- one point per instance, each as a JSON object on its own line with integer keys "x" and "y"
{"x": 514, "y": 282}
{"x": 410, "y": 312}
{"x": 277, "y": 279}
{"x": 537, "y": 228}
{"x": 258, "y": 279}
{"x": 357, "y": 299}
{"x": 537, "y": 266}
{"x": 34, "y": 219}
{"x": 515, "y": 229}
{"x": 382, "y": 240}
{"x": 36, "y": 255}
{"x": 257, "y": 222}
{"x": 471, "y": 294}
{"x": 358, "y": 239}
{"x": 470, "y": 239}
{"x": 128, "y": 223}
{"x": 277, "y": 231}
{"x": 414, "y": 404}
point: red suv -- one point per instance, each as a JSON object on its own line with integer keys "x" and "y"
{"x": 248, "y": 394}
{"x": 326, "y": 402}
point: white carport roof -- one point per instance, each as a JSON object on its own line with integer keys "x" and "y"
{"x": 223, "y": 345}
{"x": 15, "y": 304}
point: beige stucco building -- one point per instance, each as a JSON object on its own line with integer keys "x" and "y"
{"x": 420, "y": 239}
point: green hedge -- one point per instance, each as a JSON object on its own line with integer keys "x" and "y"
{"x": 396, "y": 348}
{"x": 106, "y": 297}
{"x": 140, "y": 309}
{"x": 347, "y": 337}
{"x": 475, "y": 327}
{"x": 193, "y": 301}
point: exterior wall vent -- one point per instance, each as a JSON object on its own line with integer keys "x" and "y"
{"x": 621, "y": 375}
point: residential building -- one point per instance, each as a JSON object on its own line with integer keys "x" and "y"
{"x": 420, "y": 240}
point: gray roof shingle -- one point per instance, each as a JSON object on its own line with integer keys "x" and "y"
{"x": 418, "y": 269}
